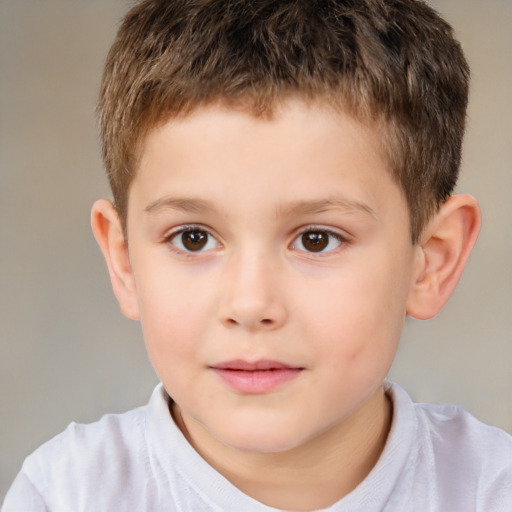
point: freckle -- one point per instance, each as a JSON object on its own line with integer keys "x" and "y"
{"x": 355, "y": 355}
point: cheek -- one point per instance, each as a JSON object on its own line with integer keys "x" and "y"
{"x": 357, "y": 314}
{"x": 175, "y": 313}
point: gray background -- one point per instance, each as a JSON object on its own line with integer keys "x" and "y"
{"x": 66, "y": 352}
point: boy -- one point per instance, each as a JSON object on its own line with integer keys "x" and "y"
{"x": 282, "y": 175}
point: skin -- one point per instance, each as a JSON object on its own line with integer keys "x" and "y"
{"x": 256, "y": 291}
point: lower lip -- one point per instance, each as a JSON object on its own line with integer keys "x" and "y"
{"x": 258, "y": 381}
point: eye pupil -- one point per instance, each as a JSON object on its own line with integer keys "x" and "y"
{"x": 315, "y": 241}
{"x": 194, "y": 239}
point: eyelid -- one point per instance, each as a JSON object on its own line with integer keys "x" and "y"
{"x": 338, "y": 233}
{"x": 173, "y": 233}
{"x": 186, "y": 227}
{"x": 344, "y": 239}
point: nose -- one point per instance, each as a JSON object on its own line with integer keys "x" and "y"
{"x": 253, "y": 298}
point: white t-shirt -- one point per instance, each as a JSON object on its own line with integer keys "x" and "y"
{"x": 437, "y": 458}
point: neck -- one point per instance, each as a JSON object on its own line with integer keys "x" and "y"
{"x": 309, "y": 477}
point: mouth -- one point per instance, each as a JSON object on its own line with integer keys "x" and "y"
{"x": 259, "y": 377}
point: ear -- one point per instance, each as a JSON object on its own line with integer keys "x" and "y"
{"x": 443, "y": 251}
{"x": 108, "y": 232}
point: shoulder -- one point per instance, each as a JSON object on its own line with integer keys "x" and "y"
{"x": 68, "y": 470}
{"x": 109, "y": 441}
{"x": 455, "y": 431}
{"x": 450, "y": 429}
{"x": 463, "y": 459}
{"x": 469, "y": 455}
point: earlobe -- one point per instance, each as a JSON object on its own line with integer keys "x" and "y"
{"x": 444, "y": 249}
{"x": 108, "y": 232}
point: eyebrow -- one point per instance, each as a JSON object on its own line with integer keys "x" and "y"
{"x": 301, "y": 207}
{"x": 323, "y": 205}
{"x": 185, "y": 204}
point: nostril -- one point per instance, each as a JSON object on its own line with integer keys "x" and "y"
{"x": 263, "y": 322}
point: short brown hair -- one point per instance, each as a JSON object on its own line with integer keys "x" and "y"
{"x": 395, "y": 61}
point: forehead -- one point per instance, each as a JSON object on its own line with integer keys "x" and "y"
{"x": 292, "y": 125}
{"x": 291, "y": 157}
{"x": 268, "y": 114}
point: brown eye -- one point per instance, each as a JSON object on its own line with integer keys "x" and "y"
{"x": 193, "y": 240}
{"x": 315, "y": 241}
{"x": 318, "y": 241}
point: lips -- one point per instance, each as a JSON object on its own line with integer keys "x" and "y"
{"x": 241, "y": 365}
{"x": 257, "y": 377}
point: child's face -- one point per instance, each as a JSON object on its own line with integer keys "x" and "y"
{"x": 275, "y": 245}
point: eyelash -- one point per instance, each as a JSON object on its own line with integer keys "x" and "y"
{"x": 340, "y": 240}
{"x": 189, "y": 228}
